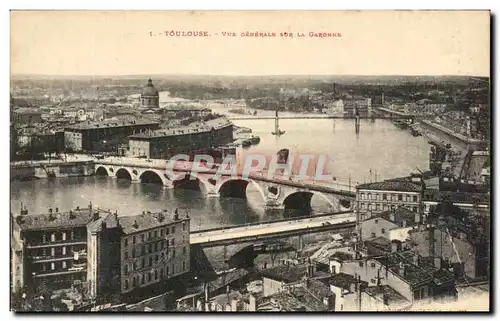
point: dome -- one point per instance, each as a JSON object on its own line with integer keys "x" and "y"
{"x": 149, "y": 90}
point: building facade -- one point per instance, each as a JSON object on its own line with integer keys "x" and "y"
{"x": 163, "y": 144}
{"x": 88, "y": 136}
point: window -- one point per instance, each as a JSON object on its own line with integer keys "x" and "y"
{"x": 373, "y": 235}
{"x": 369, "y": 196}
{"x": 150, "y": 247}
{"x": 167, "y": 230}
{"x": 161, "y": 272}
{"x": 184, "y": 250}
{"x": 162, "y": 244}
{"x": 143, "y": 262}
{"x": 135, "y": 266}
{"x": 53, "y": 237}
{"x": 126, "y": 285}
{"x": 400, "y": 197}
{"x": 149, "y": 235}
{"x": 143, "y": 279}
{"x": 64, "y": 236}
{"x": 372, "y": 264}
{"x": 133, "y": 252}
{"x": 64, "y": 250}
{"x": 63, "y": 264}
{"x": 173, "y": 253}
{"x": 161, "y": 232}
{"x": 414, "y": 198}
{"x": 143, "y": 249}
{"x": 183, "y": 226}
{"x": 156, "y": 258}
{"x": 183, "y": 265}
{"x": 168, "y": 272}
{"x": 384, "y": 197}
{"x": 149, "y": 277}
{"x": 373, "y": 281}
{"x": 362, "y": 196}
{"x": 162, "y": 256}
{"x": 126, "y": 255}
{"x": 383, "y": 231}
{"x": 126, "y": 241}
{"x": 415, "y": 209}
{"x": 376, "y": 221}
{"x": 361, "y": 264}
{"x": 52, "y": 266}
{"x": 173, "y": 242}
{"x": 156, "y": 234}
{"x": 133, "y": 239}
{"x": 156, "y": 274}
{"x": 52, "y": 251}
{"x": 378, "y": 207}
{"x": 142, "y": 237}
{"x": 374, "y": 196}
{"x": 134, "y": 282}
{"x": 150, "y": 261}
{"x": 125, "y": 269}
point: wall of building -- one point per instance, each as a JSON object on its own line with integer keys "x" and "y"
{"x": 139, "y": 148}
{"x": 376, "y": 227}
{"x": 73, "y": 141}
{"x": 270, "y": 286}
{"x": 380, "y": 201}
{"x": 400, "y": 233}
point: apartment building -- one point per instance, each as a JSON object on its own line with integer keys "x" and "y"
{"x": 49, "y": 249}
{"x": 128, "y": 254}
{"x": 389, "y": 195}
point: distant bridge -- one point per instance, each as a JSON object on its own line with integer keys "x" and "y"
{"x": 276, "y": 191}
{"x": 324, "y": 117}
{"x": 273, "y": 230}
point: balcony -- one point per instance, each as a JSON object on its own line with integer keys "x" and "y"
{"x": 48, "y": 259}
{"x": 72, "y": 270}
{"x": 57, "y": 243}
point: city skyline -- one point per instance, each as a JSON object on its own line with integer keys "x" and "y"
{"x": 118, "y": 43}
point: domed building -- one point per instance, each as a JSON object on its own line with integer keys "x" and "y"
{"x": 149, "y": 96}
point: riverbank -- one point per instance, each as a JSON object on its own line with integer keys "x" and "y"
{"x": 50, "y": 169}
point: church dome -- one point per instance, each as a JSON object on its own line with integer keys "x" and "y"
{"x": 149, "y": 90}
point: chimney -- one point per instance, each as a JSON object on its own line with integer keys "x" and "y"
{"x": 57, "y": 209}
{"x": 234, "y": 305}
{"x": 352, "y": 287}
{"x": 176, "y": 215}
{"x": 253, "y": 303}
{"x": 437, "y": 263}
{"x": 401, "y": 268}
{"x": 95, "y": 217}
{"x": 90, "y": 206}
{"x": 135, "y": 224}
{"x": 24, "y": 211}
{"x": 78, "y": 208}
{"x": 50, "y": 210}
{"x": 71, "y": 214}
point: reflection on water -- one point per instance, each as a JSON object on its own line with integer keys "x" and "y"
{"x": 380, "y": 146}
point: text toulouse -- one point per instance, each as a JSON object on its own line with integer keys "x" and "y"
{"x": 249, "y": 34}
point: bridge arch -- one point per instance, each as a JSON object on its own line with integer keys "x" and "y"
{"x": 101, "y": 171}
{"x": 123, "y": 174}
{"x": 237, "y": 188}
{"x": 151, "y": 177}
{"x": 302, "y": 200}
{"x": 192, "y": 181}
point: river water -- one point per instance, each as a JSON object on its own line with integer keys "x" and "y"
{"x": 379, "y": 146}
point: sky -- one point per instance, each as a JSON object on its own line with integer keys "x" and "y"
{"x": 371, "y": 43}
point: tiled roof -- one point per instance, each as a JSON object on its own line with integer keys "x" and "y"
{"x": 70, "y": 219}
{"x": 458, "y": 197}
{"x": 399, "y": 216}
{"x": 342, "y": 256}
{"x": 286, "y": 273}
{"x": 199, "y": 127}
{"x": 392, "y": 185}
{"x": 342, "y": 280}
{"x": 145, "y": 221}
{"x": 386, "y": 292}
{"x": 413, "y": 274}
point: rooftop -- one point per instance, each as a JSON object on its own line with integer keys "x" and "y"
{"x": 392, "y": 185}
{"x": 146, "y": 221}
{"x": 286, "y": 272}
{"x": 402, "y": 264}
{"x": 387, "y": 293}
{"x": 198, "y": 127}
{"x": 399, "y": 216}
{"x": 342, "y": 256}
{"x": 342, "y": 280}
{"x": 75, "y": 218}
{"x": 111, "y": 124}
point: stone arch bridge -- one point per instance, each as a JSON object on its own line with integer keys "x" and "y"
{"x": 276, "y": 192}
